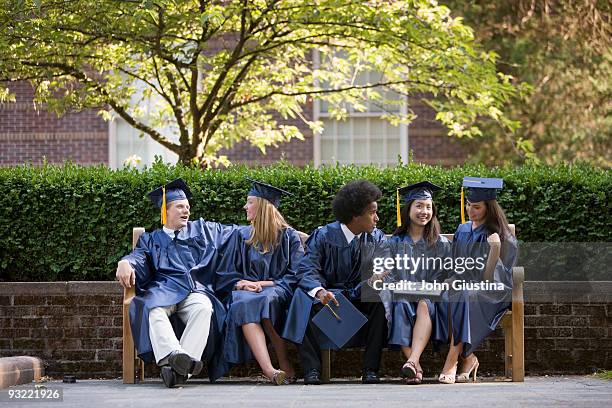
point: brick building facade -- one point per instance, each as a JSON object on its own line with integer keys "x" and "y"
{"x": 30, "y": 134}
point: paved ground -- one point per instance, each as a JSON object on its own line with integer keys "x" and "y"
{"x": 572, "y": 391}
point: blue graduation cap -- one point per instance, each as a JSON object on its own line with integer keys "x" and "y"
{"x": 419, "y": 191}
{"x": 482, "y": 189}
{"x": 339, "y": 323}
{"x": 479, "y": 189}
{"x": 266, "y": 191}
{"x": 175, "y": 190}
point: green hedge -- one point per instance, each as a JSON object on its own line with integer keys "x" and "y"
{"x": 74, "y": 223}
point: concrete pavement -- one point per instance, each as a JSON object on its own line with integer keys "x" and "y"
{"x": 568, "y": 391}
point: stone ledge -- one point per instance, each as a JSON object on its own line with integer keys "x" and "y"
{"x": 20, "y": 370}
{"x": 535, "y": 291}
{"x": 61, "y": 288}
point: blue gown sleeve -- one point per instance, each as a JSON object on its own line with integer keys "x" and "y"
{"x": 507, "y": 259}
{"x": 443, "y": 251}
{"x": 309, "y": 271}
{"x": 230, "y": 269}
{"x": 289, "y": 279}
{"x": 140, "y": 260}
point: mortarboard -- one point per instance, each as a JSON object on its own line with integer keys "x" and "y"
{"x": 266, "y": 191}
{"x": 419, "y": 191}
{"x": 479, "y": 189}
{"x": 175, "y": 190}
{"x": 339, "y": 323}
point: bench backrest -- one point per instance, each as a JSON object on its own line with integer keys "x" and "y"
{"x": 512, "y": 230}
{"x": 303, "y": 236}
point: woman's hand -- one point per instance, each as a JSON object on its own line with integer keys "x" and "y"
{"x": 248, "y": 285}
{"x": 493, "y": 239}
{"x": 377, "y": 277}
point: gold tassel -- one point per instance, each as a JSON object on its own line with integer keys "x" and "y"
{"x": 163, "y": 206}
{"x": 399, "y": 214}
{"x": 462, "y": 207}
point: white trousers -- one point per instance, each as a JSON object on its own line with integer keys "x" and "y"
{"x": 196, "y": 312}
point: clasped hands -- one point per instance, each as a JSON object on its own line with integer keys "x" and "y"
{"x": 252, "y": 286}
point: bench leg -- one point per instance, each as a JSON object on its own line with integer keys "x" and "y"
{"x": 507, "y": 327}
{"x": 518, "y": 343}
{"x": 326, "y": 365}
{"x": 142, "y": 370}
{"x": 129, "y": 354}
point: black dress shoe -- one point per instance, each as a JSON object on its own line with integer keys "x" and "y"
{"x": 370, "y": 377}
{"x": 184, "y": 364}
{"x": 171, "y": 378}
{"x": 312, "y": 377}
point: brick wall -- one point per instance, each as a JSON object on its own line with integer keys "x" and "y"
{"x": 75, "y": 327}
{"x": 28, "y": 133}
{"x": 428, "y": 140}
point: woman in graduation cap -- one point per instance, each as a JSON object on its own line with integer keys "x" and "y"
{"x": 468, "y": 316}
{"x": 417, "y": 236}
{"x": 257, "y": 282}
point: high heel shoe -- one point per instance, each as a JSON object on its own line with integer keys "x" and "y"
{"x": 278, "y": 378}
{"x": 417, "y": 379}
{"x": 465, "y": 377}
{"x": 409, "y": 370}
{"x": 448, "y": 378}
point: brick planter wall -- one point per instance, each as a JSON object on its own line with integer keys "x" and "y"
{"x": 75, "y": 327}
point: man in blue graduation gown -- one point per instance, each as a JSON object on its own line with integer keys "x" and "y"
{"x": 332, "y": 264}
{"x": 175, "y": 314}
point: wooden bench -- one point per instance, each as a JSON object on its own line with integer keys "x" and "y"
{"x": 129, "y": 351}
{"x": 512, "y": 324}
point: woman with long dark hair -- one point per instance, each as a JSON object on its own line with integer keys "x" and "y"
{"x": 417, "y": 235}
{"x": 468, "y": 316}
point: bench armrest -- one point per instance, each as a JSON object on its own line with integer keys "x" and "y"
{"x": 129, "y": 293}
{"x": 518, "y": 279}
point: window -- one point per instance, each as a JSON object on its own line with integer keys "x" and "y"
{"x": 125, "y": 142}
{"x": 363, "y": 138}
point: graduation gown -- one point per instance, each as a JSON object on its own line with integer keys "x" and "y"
{"x": 167, "y": 270}
{"x": 334, "y": 264}
{"x": 403, "y": 310}
{"x": 248, "y": 263}
{"x": 475, "y": 314}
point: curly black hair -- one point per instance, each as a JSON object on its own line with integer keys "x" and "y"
{"x": 353, "y": 199}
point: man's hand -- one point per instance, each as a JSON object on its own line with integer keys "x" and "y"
{"x": 325, "y": 297}
{"x": 125, "y": 274}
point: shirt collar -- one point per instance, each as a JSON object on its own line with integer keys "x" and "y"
{"x": 170, "y": 232}
{"x": 348, "y": 234}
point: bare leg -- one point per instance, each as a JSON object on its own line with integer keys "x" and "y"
{"x": 280, "y": 347}
{"x": 420, "y": 334}
{"x": 256, "y": 339}
{"x": 450, "y": 365}
{"x": 467, "y": 363}
{"x": 452, "y": 357}
{"x": 407, "y": 352}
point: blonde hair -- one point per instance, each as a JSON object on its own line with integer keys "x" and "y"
{"x": 267, "y": 224}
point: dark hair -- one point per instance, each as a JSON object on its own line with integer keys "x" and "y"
{"x": 432, "y": 229}
{"x": 496, "y": 221}
{"x": 353, "y": 199}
